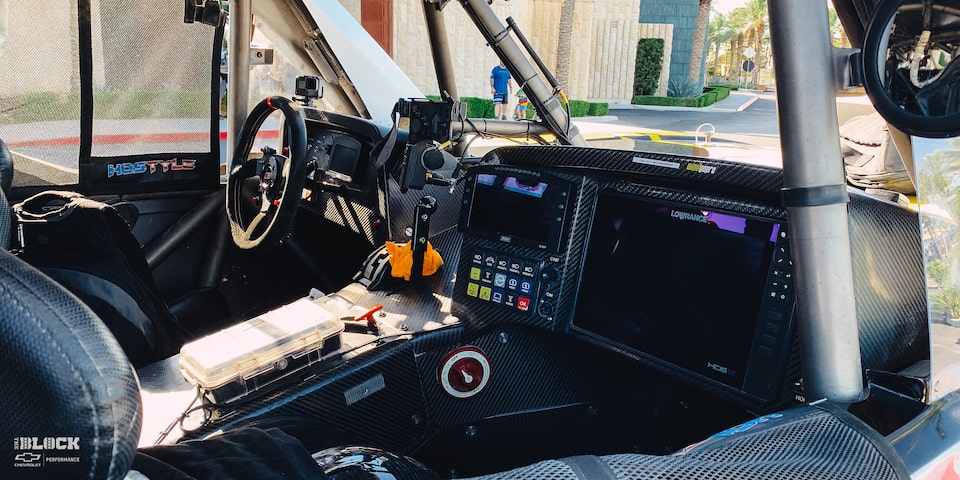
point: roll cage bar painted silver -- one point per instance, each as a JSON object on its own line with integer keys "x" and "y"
{"x": 814, "y": 185}
{"x": 816, "y": 200}
{"x": 238, "y": 60}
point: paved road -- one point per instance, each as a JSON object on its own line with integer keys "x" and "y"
{"x": 759, "y": 120}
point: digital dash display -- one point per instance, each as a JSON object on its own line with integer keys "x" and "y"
{"x": 518, "y": 209}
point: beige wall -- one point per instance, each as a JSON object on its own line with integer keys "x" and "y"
{"x": 615, "y": 51}
{"x": 352, "y": 6}
{"x": 44, "y": 57}
{"x": 664, "y": 31}
{"x": 37, "y": 62}
{"x": 603, "y": 56}
{"x": 604, "y": 45}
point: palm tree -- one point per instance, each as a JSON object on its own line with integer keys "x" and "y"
{"x": 737, "y": 20}
{"x": 719, "y": 34}
{"x": 751, "y": 21}
{"x": 756, "y": 12}
{"x": 699, "y": 40}
{"x": 565, "y": 42}
{"x": 837, "y": 35}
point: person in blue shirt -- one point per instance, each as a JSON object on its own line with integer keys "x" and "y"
{"x": 500, "y": 86}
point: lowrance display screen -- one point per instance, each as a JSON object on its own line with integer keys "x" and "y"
{"x": 682, "y": 285}
{"x": 528, "y": 211}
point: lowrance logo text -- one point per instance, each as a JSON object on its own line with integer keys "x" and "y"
{"x": 688, "y": 216}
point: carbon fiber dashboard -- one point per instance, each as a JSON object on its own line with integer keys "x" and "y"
{"x": 516, "y": 271}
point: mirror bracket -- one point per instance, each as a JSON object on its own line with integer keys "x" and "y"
{"x": 848, "y": 67}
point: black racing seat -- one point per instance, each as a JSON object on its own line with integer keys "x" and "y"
{"x": 72, "y": 399}
{"x": 87, "y": 247}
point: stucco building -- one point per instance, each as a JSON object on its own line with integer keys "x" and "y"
{"x": 603, "y": 47}
{"x": 603, "y": 56}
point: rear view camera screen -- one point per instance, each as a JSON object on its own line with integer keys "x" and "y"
{"x": 680, "y": 284}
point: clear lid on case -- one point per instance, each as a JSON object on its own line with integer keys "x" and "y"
{"x": 256, "y": 345}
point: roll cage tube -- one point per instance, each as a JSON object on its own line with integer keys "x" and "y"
{"x": 238, "y": 60}
{"x": 815, "y": 198}
{"x": 440, "y": 48}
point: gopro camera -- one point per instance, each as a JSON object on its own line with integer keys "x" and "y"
{"x": 309, "y": 86}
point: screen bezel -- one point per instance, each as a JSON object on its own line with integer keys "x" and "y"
{"x": 558, "y": 189}
{"x": 748, "y": 337}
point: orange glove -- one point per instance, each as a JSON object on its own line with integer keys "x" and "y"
{"x": 401, "y": 260}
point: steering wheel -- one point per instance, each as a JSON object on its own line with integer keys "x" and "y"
{"x": 262, "y": 193}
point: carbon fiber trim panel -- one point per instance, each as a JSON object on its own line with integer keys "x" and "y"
{"x": 889, "y": 282}
{"x": 402, "y": 207}
{"x": 699, "y": 171}
{"x": 551, "y": 395}
{"x": 351, "y": 212}
{"x": 547, "y": 394}
{"x": 369, "y": 131}
{"x": 531, "y": 370}
{"x": 477, "y": 313}
{"x": 511, "y": 440}
{"x": 732, "y": 204}
{"x": 356, "y": 203}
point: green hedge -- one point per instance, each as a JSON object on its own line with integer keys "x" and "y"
{"x": 483, "y": 107}
{"x": 598, "y": 109}
{"x": 478, "y": 107}
{"x": 710, "y": 96}
{"x": 729, "y": 86}
{"x": 665, "y": 101}
{"x": 579, "y": 108}
{"x": 722, "y": 92}
{"x": 649, "y": 64}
